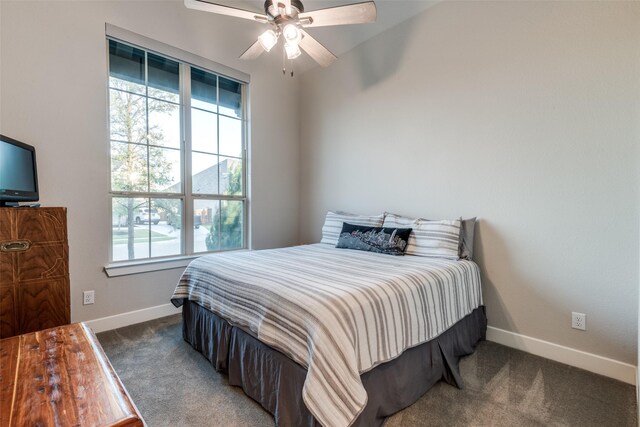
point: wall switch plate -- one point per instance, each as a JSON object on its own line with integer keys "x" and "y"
{"x": 88, "y": 297}
{"x": 579, "y": 321}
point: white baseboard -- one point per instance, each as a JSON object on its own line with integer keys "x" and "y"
{"x": 132, "y": 317}
{"x": 580, "y": 359}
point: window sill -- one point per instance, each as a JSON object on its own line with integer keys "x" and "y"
{"x": 145, "y": 266}
{"x": 126, "y": 268}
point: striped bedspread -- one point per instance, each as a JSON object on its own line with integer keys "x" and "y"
{"x": 337, "y": 312}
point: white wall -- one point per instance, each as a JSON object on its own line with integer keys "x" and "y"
{"x": 524, "y": 114}
{"x": 53, "y": 84}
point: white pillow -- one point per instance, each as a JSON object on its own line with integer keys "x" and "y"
{"x": 438, "y": 239}
{"x": 334, "y": 220}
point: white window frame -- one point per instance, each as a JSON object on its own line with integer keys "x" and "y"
{"x": 186, "y": 60}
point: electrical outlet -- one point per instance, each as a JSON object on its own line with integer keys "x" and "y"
{"x": 579, "y": 321}
{"x": 88, "y": 297}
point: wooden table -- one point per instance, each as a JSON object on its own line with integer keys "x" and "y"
{"x": 61, "y": 377}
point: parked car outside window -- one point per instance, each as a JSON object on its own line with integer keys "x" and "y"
{"x": 145, "y": 215}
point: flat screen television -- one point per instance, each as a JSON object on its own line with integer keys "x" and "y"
{"x": 18, "y": 174}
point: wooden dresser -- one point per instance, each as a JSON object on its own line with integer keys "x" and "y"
{"x": 34, "y": 270}
{"x": 61, "y": 377}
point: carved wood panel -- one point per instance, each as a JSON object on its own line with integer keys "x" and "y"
{"x": 42, "y": 262}
{"x": 7, "y": 264}
{"x": 43, "y": 304}
{"x": 34, "y": 269}
{"x": 42, "y": 225}
{"x": 7, "y": 311}
{"x": 7, "y": 218}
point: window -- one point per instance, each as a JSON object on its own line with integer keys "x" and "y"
{"x": 178, "y": 156}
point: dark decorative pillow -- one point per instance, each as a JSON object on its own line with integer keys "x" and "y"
{"x": 465, "y": 250}
{"x": 391, "y": 241}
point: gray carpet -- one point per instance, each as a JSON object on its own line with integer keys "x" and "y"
{"x": 173, "y": 385}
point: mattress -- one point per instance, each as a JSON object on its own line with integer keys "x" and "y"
{"x": 337, "y": 313}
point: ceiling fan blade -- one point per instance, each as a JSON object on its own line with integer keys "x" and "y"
{"x": 358, "y": 13}
{"x": 319, "y": 53}
{"x": 224, "y": 10}
{"x": 253, "y": 51}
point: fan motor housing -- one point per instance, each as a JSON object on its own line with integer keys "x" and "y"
{"x": 271, "y": 8}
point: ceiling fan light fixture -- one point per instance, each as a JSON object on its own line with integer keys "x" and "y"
{"x": 292, "y": 50}
{"x": 268, "y": 39}
{"x": 289, "y": 18}
{"x": 291, "y": 34}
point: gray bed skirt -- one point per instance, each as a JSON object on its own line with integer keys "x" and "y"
{"x": 275, "y": 381}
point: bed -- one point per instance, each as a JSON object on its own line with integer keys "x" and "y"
{"x": 325, "y": 336}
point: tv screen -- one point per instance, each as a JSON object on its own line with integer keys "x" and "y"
{"x": 18, "y": 175}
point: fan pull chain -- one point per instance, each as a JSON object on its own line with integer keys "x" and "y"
{"x": 284, "y": 62}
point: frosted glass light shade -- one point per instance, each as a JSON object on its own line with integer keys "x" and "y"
{"x": 293, "y": 51}
{"x": 268, "y": 39}
{"x": 292, "y": 34}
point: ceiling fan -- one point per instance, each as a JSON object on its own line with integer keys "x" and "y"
{"x": 288, "y": 19}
